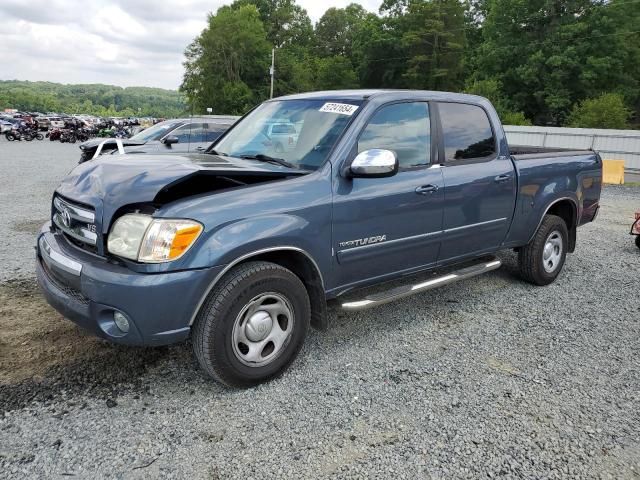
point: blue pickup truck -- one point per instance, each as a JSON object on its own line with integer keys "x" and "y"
{"x": 240, "y": 248}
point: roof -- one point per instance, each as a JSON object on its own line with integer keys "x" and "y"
{"x": 364, "y": 94}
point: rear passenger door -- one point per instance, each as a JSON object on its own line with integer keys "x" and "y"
{"x": 479, "y": 184}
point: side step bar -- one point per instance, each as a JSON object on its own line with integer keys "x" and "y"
{"x": 407, "y": 290}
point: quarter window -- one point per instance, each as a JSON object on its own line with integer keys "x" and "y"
{"x": 467, "y": 132}
{"x": 403, "y": 128}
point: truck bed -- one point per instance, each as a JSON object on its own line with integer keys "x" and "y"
{"x": 527, "y": 152}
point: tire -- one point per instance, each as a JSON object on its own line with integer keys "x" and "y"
{"x": 10, "y": 137}
{"x": 541, "y": 261}
{"x": 638, "y": 241}
{"x": 39, "y": 136}
{"x": 223, "y": 330}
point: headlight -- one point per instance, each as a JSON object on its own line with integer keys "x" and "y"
{"x": 145, "y": 239}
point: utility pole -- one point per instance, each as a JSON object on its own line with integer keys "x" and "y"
{"x": 272, "y": 69}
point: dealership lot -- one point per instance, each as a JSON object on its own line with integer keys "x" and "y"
{"x": 487, "y": 377}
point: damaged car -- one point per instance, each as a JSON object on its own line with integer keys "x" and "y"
{"x": 240, "y": 247}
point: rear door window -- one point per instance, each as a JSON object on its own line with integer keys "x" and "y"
{"x": 466, "y": 131}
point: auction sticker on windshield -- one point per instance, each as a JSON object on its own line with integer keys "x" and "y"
{"x": 341, "y": 108}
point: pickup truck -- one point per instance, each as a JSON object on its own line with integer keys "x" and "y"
{"x": 179, "y": 135}
{"x": 241, "y": 247}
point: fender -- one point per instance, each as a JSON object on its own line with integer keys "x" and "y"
{"x": 546, "y": 210}
{"x": 245, "y": 257}
{"x": 228, "y": 245}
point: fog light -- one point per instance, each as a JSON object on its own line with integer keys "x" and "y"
{"x": 121, "y": 322}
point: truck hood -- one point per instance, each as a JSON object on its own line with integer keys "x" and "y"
{"x": 114, "y": 181}
{"x": 108, "y": 143}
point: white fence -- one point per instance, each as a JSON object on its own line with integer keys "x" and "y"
{"x": 612, "y": 144}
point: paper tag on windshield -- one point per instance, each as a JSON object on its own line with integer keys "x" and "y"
{"x": 341, "y": 108}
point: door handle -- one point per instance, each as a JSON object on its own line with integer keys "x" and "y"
{"x": 501, "y": 178}
{"x": 426, "y": 189}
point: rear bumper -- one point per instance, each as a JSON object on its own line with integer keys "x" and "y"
{"x": 88, "y": 290}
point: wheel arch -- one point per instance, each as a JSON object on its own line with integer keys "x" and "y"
{"x": 567, "y": 209}
{"x": 300, "y": 262}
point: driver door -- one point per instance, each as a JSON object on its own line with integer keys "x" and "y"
{"x": 383, "y": 226}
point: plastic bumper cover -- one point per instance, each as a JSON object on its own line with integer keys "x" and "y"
{"x": 88, "y": 290}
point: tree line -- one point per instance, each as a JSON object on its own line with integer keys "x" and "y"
{"x": 546, "y": 62}
{"x": 92, "y": 99}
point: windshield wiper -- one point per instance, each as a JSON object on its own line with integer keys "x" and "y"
{"x": 266, "y": 158}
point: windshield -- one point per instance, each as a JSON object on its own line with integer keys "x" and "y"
{"x": 301, "y": 132}
{"x": 156, "y": 132}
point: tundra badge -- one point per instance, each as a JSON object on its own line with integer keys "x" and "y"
{"x": 360, "y": 242}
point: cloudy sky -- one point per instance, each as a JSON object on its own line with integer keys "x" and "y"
{"x": 120, "y": 42}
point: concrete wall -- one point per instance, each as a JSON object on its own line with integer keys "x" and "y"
{"x": 612, "y": 144}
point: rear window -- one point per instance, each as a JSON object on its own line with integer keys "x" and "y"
{"x": 467, "y": 132}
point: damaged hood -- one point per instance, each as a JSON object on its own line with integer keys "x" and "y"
{"x": 113, "y": 181}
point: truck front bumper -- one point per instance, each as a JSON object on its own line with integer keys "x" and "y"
{"x": 89, "y": 290}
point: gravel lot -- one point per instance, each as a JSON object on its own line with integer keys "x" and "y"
{"x": 490, "y": 377}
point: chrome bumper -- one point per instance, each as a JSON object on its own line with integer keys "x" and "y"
{"x": 54, "y": 258}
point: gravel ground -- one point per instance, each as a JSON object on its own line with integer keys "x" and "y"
{"x": 490, "y": 377}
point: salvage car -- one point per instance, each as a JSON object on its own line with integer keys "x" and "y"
{"x": 241, "y": 247}
{"x": 171, "y": 136}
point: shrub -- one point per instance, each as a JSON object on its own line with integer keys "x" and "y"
{"x": 605, "y": 111}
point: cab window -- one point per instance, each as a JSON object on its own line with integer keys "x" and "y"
{"x": 404, "y": 128}
{"x": 467, "y": 132}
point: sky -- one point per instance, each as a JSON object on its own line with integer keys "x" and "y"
{"x": 118, "y": 42}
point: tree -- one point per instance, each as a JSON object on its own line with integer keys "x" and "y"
{"x": 92, "y": 99}
{"x": 605, "y": 111}
{"x": 432, "y": 38}
{"x": 285, "y": 22}
{"x": 226, "y": 65}
{"x": 337, "y": 29}
{"x": 492, "y": 89}
{"x": 550, "y": 54}
{"x": 333, "y": 73}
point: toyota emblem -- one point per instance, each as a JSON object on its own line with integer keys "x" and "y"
{"x": 65, "y": 216}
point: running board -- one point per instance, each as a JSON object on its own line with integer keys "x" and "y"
{"x": 407, "y": 290}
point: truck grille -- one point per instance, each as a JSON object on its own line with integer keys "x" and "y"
{"x": 77, "y": 222}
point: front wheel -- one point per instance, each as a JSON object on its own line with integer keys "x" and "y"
{"x": 542, "y": 260}
{"x": 39, "y": 136}
{"x": 252, "y": 325}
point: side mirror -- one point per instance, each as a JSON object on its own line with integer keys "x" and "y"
{"x": 170, "y": 140}
{"x": 374, "y": 163}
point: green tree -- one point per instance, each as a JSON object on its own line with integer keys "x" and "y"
{"x": 337, "y": 29}
{"x": 492, "y": 89}
{"x": 333, "y": 73}
{"x": 550, "y": 54}
{"x": 606, "y": 111}
{"x": 434, "y": 37}
{"x": 229, "y": 58}
{"x": 285, "y": 22}
{"x": 92, "y": 99}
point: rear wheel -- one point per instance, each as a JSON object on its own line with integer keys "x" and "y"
{"x": 252, "y": 324}
{"x": 542, "y": 260}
